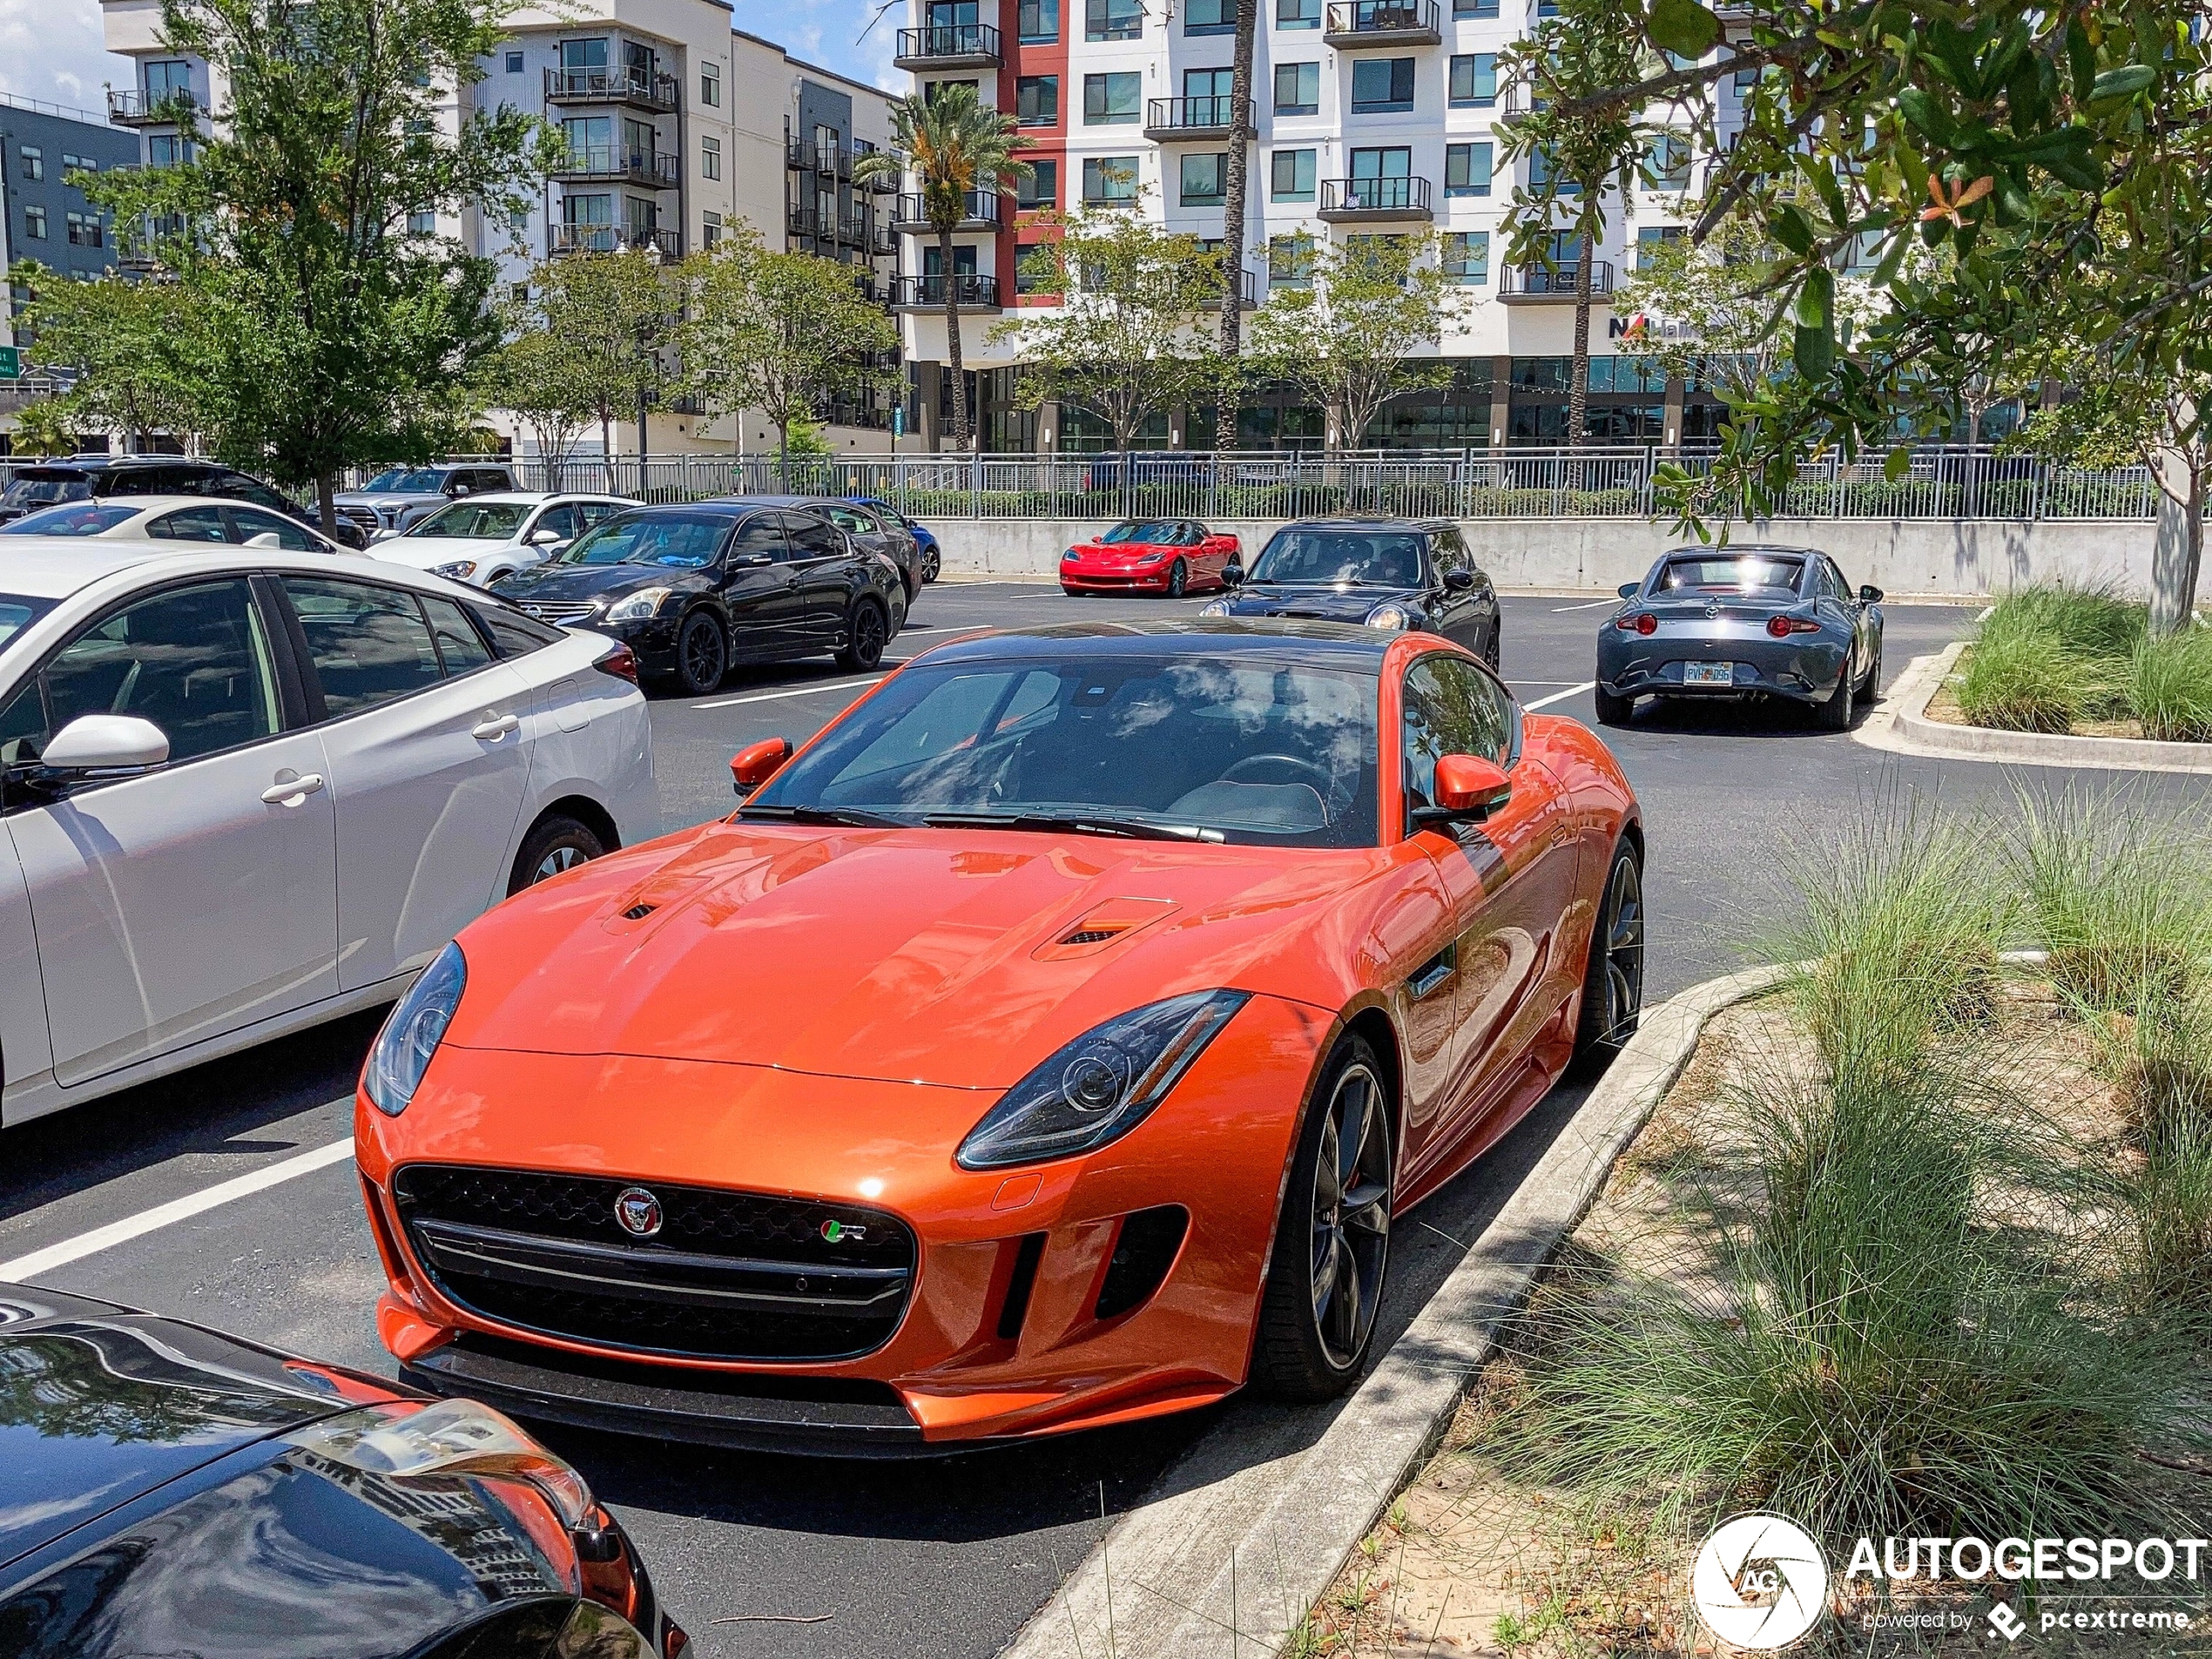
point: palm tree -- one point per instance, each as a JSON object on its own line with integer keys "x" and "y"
{"x": 954, "y": 146}
{"x": 1232, "y": 227}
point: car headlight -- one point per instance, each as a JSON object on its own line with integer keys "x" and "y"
{"x": 1390, "y": 615}
{"x": 1070, "y": 557}
{"x": 405, "y": 1441}
{"x": 637, "y": 606}
{"x": 1214, "y": 608}
{"x": 456, "y": 570}
{"x": 1101, "y": 1085}
{"x": 1152, "y": 558}
{"x": 412, "y": 1032}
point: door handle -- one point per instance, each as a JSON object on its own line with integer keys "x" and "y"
{"x": 493, "y": 730}
{"x": 290, "y": 792}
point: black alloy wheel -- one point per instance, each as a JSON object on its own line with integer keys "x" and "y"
{"x": 1613, "y": 984}
{"x": 702, "y": 654}
{"x": 1178, "y": 579}
{"x": 554, "y": 846}
{"x": 932, "y": 564}
{"x": 865, "y": 636}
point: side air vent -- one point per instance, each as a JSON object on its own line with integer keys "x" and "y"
{"x": 638, "y": 911}
{"x": 1019, "y": 1284}
{"x": 1142, "y": 1254}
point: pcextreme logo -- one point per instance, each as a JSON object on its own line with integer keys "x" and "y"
{"x": 1759, "y": 1581}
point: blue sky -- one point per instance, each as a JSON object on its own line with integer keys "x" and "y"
{"x": 54, "y": 52}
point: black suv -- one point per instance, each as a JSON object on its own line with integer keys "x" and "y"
{"x": 96, "y": 477}
{"x": 1389, "y": 573}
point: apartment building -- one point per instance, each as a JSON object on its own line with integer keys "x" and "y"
{"x": 1372, "y": 116}
{"x": 678, "y": 126}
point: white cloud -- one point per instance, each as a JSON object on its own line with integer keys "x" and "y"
{"x": 54, "y": 52}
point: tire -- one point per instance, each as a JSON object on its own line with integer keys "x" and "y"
{"x": 1613, "y": 711}
{"x": 1300, "y": 1353}
{"x": 1497, "y": 646}
{"x": 702, "y": 654}
{"x": 1073, "y": 593}
{"x": 556, "y": 843}
{"x": 1613, "y": 981}
{"x": 932, "y": 565}
{"x": 1871, "y": 687}
{"x": 865, "y": 636}
{"x": 1178, "y": 579}
{"x": 1835, "y": 714}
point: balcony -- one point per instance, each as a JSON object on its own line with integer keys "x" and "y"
{"x": 1352, "y": 25}
{"x": 1361, "y": 201}
{"x": 1553, "y": 284}
{"x": 635, "y": 90}
{"x": 834, "y": 159}
{"x": 953, "y": 45}
{"x": 1169, "y": 119}
{"x": 972, "y": 291}
{"x": 128, "y": 108}
{"x": 611, "y": 239}
{"x": 601, "y": 164}
{"x": 1247, "y": 293}
{"x": 980, "y": 211}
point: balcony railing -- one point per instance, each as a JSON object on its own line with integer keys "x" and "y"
{"x": 591, "y": 163}
{"x": 1352, "y": 199}
{"x": 1554, "y": 283}
{"x": 952, "y": 45}
{"x": 129, "y": 108}
{"x": 1190, "y": 117}
{"x": 1247, "y": 293}
{"x": 1383, "y": 23}
{"x": 972, "y": 291}
{"x": 660, "y": 93}
{"x": 805, "y": 156}
{"x": 980, "y": 211}
{"x": 611, "y": 239}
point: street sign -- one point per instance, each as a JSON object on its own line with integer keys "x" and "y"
{"x": 10, "y": 362}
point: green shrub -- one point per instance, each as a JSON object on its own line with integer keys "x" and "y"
{"x": 2171, "y": 686}
{"x": 2117, "y": 897}
{"x": 2048, "y": 656}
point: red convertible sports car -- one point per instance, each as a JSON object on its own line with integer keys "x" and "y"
{"x": 1054, "y": 1040}
{"x": 1169, "y": 555}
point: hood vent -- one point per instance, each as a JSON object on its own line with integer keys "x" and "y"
{"x": 1116, "y": 919}
{"x": 1093, "y": 935}
{"x": 639, "y": 912}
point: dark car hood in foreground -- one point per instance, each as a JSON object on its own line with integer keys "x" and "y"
{"x": 575, "y": 584}
{"x": 1323, "y": 604}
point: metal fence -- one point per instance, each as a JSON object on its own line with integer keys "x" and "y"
{"x": 1941, "y": 484}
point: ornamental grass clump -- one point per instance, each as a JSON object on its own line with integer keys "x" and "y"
{"x": 2046, "y": 656}
{"x": 2170, "y": 685}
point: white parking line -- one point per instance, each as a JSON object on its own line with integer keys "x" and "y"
{"x": 801, "y": 691}
{"x": 1558, "y": 696}
{"x": 1592, "y": 605}
{"x": 177, "y": 1210}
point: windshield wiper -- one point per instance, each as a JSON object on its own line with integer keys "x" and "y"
{"x": 847, "y": 818}
{"x": 1134, "y": 829}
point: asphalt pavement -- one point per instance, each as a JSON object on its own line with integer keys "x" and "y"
{"x": 768, "y": 1556}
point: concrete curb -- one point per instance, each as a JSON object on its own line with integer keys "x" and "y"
{"x": 1246, "y": 1541}
{"x": 1903, "y": 727}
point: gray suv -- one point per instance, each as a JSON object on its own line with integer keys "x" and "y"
{"x": 396, "y": 498}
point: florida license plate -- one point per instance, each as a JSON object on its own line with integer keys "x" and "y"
{"x": 1709, "y": 673}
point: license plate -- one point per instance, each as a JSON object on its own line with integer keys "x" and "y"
{"x": 1709, "y": 673}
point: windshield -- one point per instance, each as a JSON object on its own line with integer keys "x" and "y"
{"x": 1731, "y": 572}
{"x": 39, "y": 492}
{"x": 478, "y": 521}
{"x": 71, "y": 518}
{"x": 406, "y": 481}
{"x": 1362, "y": 558}
{"x": 680, "y": 541}
{"x": 1135, "y": 532}
{"x": 18, "y": 614}
{"x": 1255, "y": 750}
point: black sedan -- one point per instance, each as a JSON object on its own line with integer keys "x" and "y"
{"x": 866, "y": 525}
{"x": 1388, "y": 573}
{"x": 1742, "y": 622}
{"x": 166, "y": 1490}
{"x": 692, "y": 589}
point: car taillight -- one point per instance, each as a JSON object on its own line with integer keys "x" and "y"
{"x": 621, "y": 662}
{"x": 1783, "y": 627}
{"x": 1642, "y": 623}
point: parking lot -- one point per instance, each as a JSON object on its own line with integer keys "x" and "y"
{"x": 761, "y": 1555}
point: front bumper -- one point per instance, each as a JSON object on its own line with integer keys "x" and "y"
{"x": 1150, "y": 579}
{"x": 1804, "y": 668}
{"x": 988, "y": 1348}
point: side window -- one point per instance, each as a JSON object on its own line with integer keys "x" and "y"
{"x": 252, "y": 522}
{"x": 239, "y": 487}
{"x": 195, "y": 661}
{"x": 1446, "y": 550}
{"x": 760, "y": 534}
{"x": 851, "y": 523}
{"x": 368, "y": 645}
{"x": 811, "y": 539}
{"x": 515, "y": 634}
{"x": 23, "y": 724}
{"x": 1837, "y": 585}
{"x": 1451, "y": 708}
{"x": 489, "y": 478}
{"x": 560, "y": 519}
{"x": 190, "y": 524}
{"x": 460, "y": 648}
{"x": 590, "y": 513}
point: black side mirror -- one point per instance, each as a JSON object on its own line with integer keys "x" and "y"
{"x": 1870, "y": 596}
{"x": 1629, "y": 589}
{"x": 1459, "y": 580}
{"x": 1233, "y": 575}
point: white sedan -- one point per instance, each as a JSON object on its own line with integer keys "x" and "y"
{"x": 480, "y": 538}
{"x": 172, "y": 518}
{"x": 243, "y": 791}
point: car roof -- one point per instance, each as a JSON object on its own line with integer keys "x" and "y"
{"x": 80, "y": 468}
{"x": 58, "y": 567}
{"x": 782, "y": 501}
{"x": 1735, "y": 548}
{"x": 1368, "y": 522}
{"x": 1341, "y": 644}
{"x": 53, "y": 567}
{"x": 520, "y": 497}
{"x": 148, "y": 504}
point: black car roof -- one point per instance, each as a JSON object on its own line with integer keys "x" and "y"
{"x": 1330, "y": 644}
{"x": 1368, "y": 522}
{"x": 115, "y": 463}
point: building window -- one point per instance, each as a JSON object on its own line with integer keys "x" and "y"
{"x": 710, "y": 229}
{"x": 84, "y": 230}
{"x": 421, "y": 223}
{"x": 710, "y": 157}
{"x": 34, "y": 221}
{"x": 1113, "y": 19}
{"x": 1040, "y": 22}
{"x": 168, "y": 78}
{"x": 1467, "y": 170}
{"x": 34, "y": 163}
{"x": 1298, "y": 88}
{"x": 932, "y": 90}
{"x": 1109, "y": 179}
{"x": 1209, "y": 17}
{"x": 514, "y": 63}
{"x": 1113, "y": 100}
{"x": 1033, "y": 269}
{"x": 1650, "y": 238}
{"x": 1041, "y": 189}
{"x": 1298, "y": 14}
{"x": 1205, "y": 180}
{"x": 1290, "y": 261}
{"x": 1382, "y": 85}
{"x": 1665, "y": 163}
{"x": 1036, "y": 100}
{"x": 1467, "y": 257}
{"x": 1474, "y": 8}
{"x": 167, "y": 150}
{"x": 1540, "y": 172}
{"x": 1290, "y": 176}
{"x": 1475, "y": 81}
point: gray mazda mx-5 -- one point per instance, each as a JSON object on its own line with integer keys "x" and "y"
{"x": 1744, "y": 622}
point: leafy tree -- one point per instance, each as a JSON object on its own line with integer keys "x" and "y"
{"x": 955, "y": 147}
{"x": 1235, "y": 195}
{"x": 1351, "y": 338}
{"x": 2062, "y": 154}
{"x": 785, "y": 334}
{"x": 46, "y": 427}
{"x": 615, "y": 321}
{"x": 535, "y": 376}
{"x": 1129, "y": 338}
{"x": 129, "y": 350}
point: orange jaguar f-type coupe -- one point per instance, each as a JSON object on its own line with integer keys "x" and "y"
{"x": 1052, "y": 1042}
